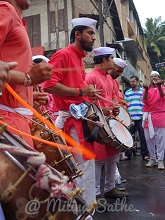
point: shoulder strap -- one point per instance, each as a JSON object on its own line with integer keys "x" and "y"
{"x": 90, "y": 136}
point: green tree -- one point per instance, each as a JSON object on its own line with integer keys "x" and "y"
{"x": 154, "y": 37}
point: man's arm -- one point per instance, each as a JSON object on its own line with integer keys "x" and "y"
{"x": 159, "y": 83}
{"x": 62, "y": 90}
{"x": 38, "y": 74}
{"x": 4, "y": 72}
{"x": 145, "y": 95}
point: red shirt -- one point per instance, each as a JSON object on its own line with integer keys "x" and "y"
{"x": 15, "y": 46}
{"x": 101, "y": 80}
{"x": 69, "y": 57}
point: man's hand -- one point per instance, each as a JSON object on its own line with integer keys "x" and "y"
{"x": 4, "y": 72}
{"x": 90, "y": 91}
{"x": 40, "y": 98}
{"x": 40, "y": 73}
{"x": 116, "y": 110}
{"x": 145, "y": 86}
{"x": 159, "y": 82}
{"x": 107, "y": 111}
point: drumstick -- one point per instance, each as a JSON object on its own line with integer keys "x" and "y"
{"x": 99, "y": 96}
{"x": 68, "y": 69}
{"x": 65, "y": 69}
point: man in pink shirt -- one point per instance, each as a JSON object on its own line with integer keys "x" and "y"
{"x": 105, "y": 154}
{"x": 154, "y": 119}
{"x": 120, "y": 65}
{"x": 43, "y": 101}
{"x": 15, "y": 46}
{"x": 67, "y": 86}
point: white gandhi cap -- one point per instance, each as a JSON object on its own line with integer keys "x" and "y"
{"x": 119, "y": 62}
{"x": 84, "y": 21}
{"x": 41, "y": 57}
{"x": 155, "y": 72}
{"x": 103, "y": 51}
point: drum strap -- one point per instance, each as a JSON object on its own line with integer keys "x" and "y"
{"x": 90, "y": 136}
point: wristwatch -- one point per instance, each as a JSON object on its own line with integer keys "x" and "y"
{"x": 27, "y": 81}
{"x": 81, "y": 92}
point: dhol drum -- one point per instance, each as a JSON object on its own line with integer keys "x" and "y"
{"x": 21, "y": 199}
{"x": 59, "y": 159}
{"x": 113, "y": 133}
{"x": 122, "y": 139}
{"x": 124, "y": 116}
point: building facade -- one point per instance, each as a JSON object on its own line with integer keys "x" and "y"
{"x": 49, "y": 27}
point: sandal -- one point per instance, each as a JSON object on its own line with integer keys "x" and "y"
{"x": 146, "y": 158}
{"x": 126, "y": 158}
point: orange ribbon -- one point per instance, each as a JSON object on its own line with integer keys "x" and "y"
{"x": 55, "y": 145}
{"x": 71, "y": 141}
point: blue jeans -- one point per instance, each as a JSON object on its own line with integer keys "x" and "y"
{"x": 143, "y": 146}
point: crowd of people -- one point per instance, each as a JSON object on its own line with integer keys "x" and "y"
{"x": 62, "y": 81}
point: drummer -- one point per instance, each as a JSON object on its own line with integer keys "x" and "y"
{"x": 105, "y": 155}
{"x": 67, "y": 85}
{"x": 24, "y": 75}
{"x": 120, "y": 65}
{"x": 40, "y": 98}
{"x": 43, "y": 101}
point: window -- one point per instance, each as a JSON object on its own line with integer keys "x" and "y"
{"x": 34, "y": 30}
{"x": 61, "y": 23}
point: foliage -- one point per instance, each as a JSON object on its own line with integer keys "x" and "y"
{"x": 154, "y": 37}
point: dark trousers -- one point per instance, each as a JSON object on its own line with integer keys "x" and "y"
{"x": 143, "y": 146}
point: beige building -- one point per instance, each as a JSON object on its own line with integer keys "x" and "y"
{"x": 135, "y": 51}
{"x": 49, "y": 26}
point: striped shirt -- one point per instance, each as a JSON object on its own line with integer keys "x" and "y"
{"x": 134, "y": 99}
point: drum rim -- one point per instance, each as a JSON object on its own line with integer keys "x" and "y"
{"x": 127, "y": 113}
{"x": 112, "y": 118}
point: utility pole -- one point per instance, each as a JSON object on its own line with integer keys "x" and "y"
{"x": 49, "y": 28}
{"x": 56, "y": 23}
{"x": 101, "y": 24}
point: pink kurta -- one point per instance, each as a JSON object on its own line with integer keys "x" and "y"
{"x": 156, "y": 106}
{"x": 116, "y": 89}
{"x": 51, "y": 107}
{"x": 15, "y": 46}
{"x": 101, "y": 80}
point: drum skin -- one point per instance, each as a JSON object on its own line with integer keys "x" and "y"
{"x": 108, "y": 134}
{"x": 124, "y": 116}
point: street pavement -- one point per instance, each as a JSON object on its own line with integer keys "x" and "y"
{"x": 146, "y": 188}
